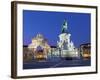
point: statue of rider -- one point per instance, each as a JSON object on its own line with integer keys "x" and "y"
{"x": 64, "y": 27}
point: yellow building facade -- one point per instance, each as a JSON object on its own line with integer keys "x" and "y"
{"x": 39, "y": 47}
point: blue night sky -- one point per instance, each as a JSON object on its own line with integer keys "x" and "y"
{"x": 49, "y": 24}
